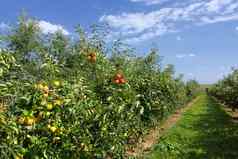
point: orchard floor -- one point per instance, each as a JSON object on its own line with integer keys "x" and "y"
{"x": 205, "y": 131}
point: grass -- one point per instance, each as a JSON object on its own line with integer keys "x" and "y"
{"x": 205, "y": 131}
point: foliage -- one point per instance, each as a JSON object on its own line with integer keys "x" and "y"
{"x": 71, "y": 99}
{"x": 226, "y": 90}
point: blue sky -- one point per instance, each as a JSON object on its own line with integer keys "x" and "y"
{"x": 200, "y": 37}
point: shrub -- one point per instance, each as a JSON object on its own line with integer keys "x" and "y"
{"x": 226, "y": 90}
{"x": 65, "y": 99}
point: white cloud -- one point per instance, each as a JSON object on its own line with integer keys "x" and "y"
{"x": 150, "y": 2}
{"x": 47, "y": 27}
{"x": 207, "y": 20}
{"x": 237, "y": 28}
{"x": 160, "y": 30}
{"x": 178, "y": 38}
{"x": 136, "y": 22}
{"x": 217, "y": 5}
{"x": 4, "y": 26}
{"x": 181, "y": 56}
{"x": 142, "y": 26}
{"x": 191, "y": 55}
{"x": 191, "y": 75}
{"x": 231, "y": 8}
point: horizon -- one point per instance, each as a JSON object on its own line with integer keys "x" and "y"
{"x": 198, "y": 37}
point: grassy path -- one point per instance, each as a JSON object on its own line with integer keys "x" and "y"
{"x": 154, "y": 134}
{"x": 205, "y": 131}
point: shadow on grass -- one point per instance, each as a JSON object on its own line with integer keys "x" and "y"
{"x": 208, "y": 133}
{"x": 218, "y": 137}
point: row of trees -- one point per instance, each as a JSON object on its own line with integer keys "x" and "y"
{"x": 80, "y": 99}
{"x": 226, "y": 90}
